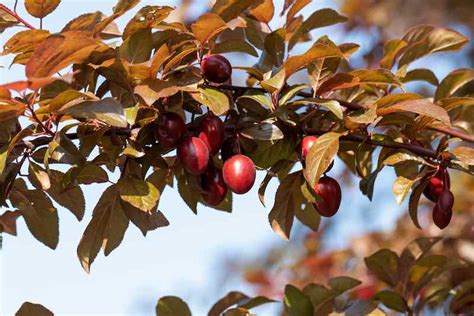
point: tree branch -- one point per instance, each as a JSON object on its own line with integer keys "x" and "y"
{"x": 16, "y": 16}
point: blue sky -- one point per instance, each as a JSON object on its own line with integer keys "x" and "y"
{"x": 178, "y": 260}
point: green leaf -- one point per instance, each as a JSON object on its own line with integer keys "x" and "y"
{"x": 464, "y": 154}
{"x": 320, "y": 18}
{"x": 320, "y": 157}
{"x": 139, "y": 193}
{"x": 137, "y": 48}
{"x": 421, "y": 106}
{"x": 343, "y": 284}
{"x": 32, "y": 309}
{"x": 106, "y": 229}
{"x": 215, "y": 100}
{"x": 263, "y": 131}
{"x": 232, "y": 298}
{"x": 421, "y": 75}
{"x": 254, "y": 302}
{"x": 107, "y": 110}
{"x": 230, "y": 9}
{"x": 40, "y": 215}
{"x": 287, "y": 198}
{"x": 172, "y": 306}
{"x": 425, "y": 40}
{"x": 401, "y": 187}
{"x": 384, "y": 264}
{"x": 41, "y": 8}
{"x": 392, "y": 300}
{"x": 296, "y": 302}
{"x": 453, "y": 82}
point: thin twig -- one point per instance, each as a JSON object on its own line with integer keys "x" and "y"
{"x": 16, "y": 16}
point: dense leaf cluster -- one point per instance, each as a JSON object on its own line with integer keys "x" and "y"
{"x": 98, "y": 117}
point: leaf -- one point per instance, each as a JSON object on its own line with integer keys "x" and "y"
{"x": 391, "y": 50}
{"x": 317, "y": 51}
{"x": 153, "y": 89}
{"x": 106, "y": 229}
{"x": 158, "y": 60}
{"x": 107, "y": 110}
{"x": 215, "y": 100}
{"x": 414, "y": 200}
{"x": 24, "y": 43}
{"x": 89, "y": 174}
{"x": 287, "y": 198}
{"x": 40, "y": 215}
{"x": 320, "y": 18}
{"x": 147, "y": 17}
{"x": 296, "y": 302}
{"x": 235, "y": 46}
{"x": 172, "y": 306}
{"x": 10, "y": 109}
{"x": 421, "y": 106}
{"x": 337, "y": 82}
{"x": 145, "y": 221}
{"x": 274, "y": 48}
{"x": 32, "y": 309}
{"x": 343, "y": 284}
{"x": 421, "y": 75}
{"x": 119, "y": 9}
{"x": 376, "y": 76}
{"x": 308, "y": 216}
{"x": 274, "y": 83}
{"x": 232, "y": 298}
{"x": 207, "y": 26}
{"x": 401, "y": 187}
{"x": 277, "y": 167}
{"x": 392, "y": 300}
{"x": 464, "y": 154}
{"x": 453, "y": 82}
{"x": 425, "y": 40}
{"x": 8, "y": 222}
{"x": 139, "y": 193}
{"x": 137, "y": 48}
{"x": 39, "y": 175}
{"x": 320, "y": 157}
{"x": 71, "y": 198}
{"x": 384, "y": 264}
{"x": 6, "y": 20}
{"x": 41, "y": 8}
{"x": 264, "y": 12}
{"x": 59, "y": 51}
{"x": 297, "y": 6}
{"x": 263, "y": 131}
{"x": 230, "y": 9}
{"x": 254, "y": 302}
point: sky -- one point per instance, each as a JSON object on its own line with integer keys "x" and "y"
{"x": 181, "y": 259}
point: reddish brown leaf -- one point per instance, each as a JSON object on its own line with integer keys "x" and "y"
{"x": 8, "y": 221}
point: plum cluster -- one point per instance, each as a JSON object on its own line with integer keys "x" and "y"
{"x": 438, "y": 191}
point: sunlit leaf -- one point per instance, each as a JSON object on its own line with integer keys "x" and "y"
{"x": 464, "y": 154}
{"x": 207, "y": 26}
{"x": 230, "y": 9}
{"x": 453, "y": 82}
{"x": 41, "y": 8}
{"x": 215, "y": 100}
{"x": 139, "y": 193}
{"x": 422, "y": 106}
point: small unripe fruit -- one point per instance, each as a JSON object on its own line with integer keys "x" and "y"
{"x": 329, "y": 192}
{"x": 212, "y": 132}
{"x": 239, "y": 173}
{"x": 441, "y": 217}
{"x": 193, "y": 154}
{"x": 170, "y": 132}
{"x": 214, "y": 187}
{"x": 436, "y": 185}
{"x": 306, "y": 143}
{"x": 216, "y": 68}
